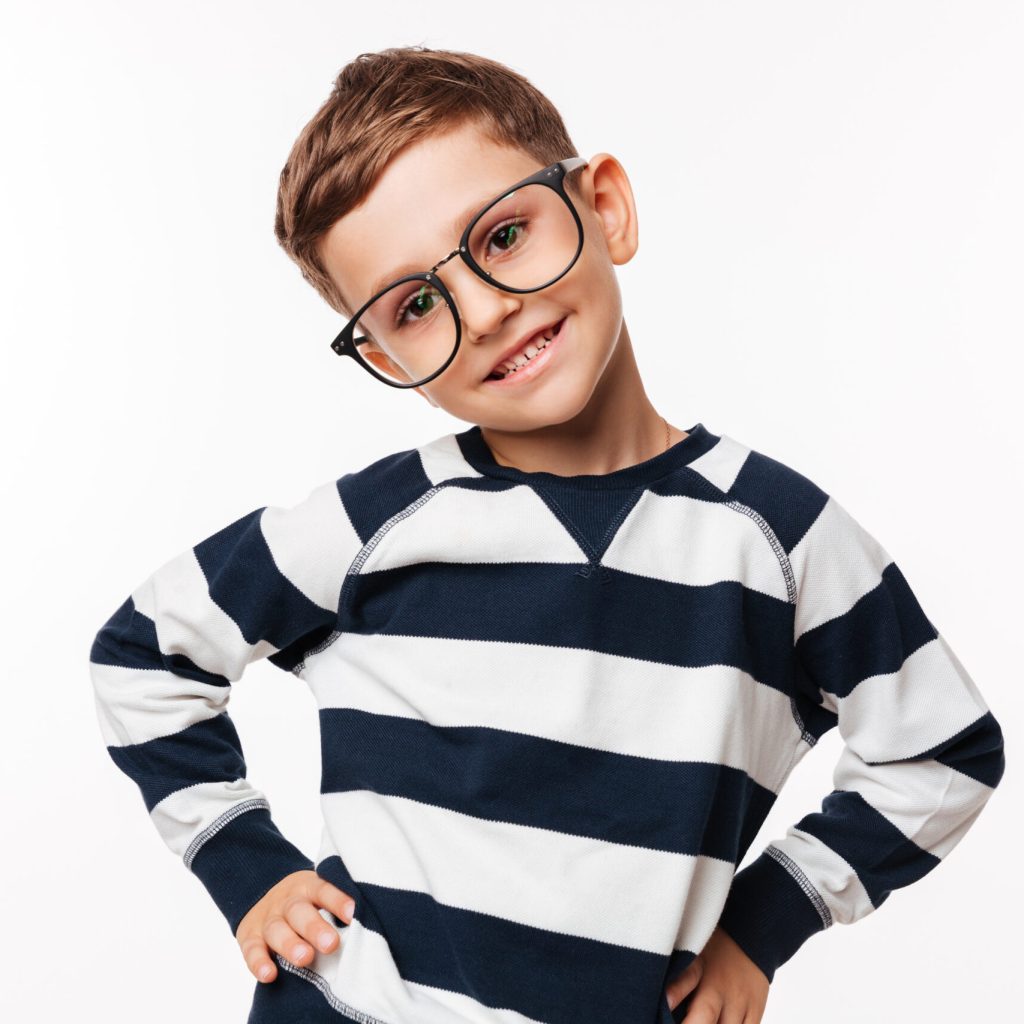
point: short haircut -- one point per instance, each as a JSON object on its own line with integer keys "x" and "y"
{"x": 382, "y": 102}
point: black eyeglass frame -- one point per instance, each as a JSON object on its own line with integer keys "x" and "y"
{"x": 553, "y": 176}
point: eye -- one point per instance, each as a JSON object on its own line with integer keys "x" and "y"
{"x": 420, "y": 303}
{"x": 509, "y": 234}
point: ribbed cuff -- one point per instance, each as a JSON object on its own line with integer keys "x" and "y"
{"x": 768, "y": 914}
{"x": 243, "y": 860}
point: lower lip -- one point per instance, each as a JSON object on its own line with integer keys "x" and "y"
{"x": 535, "y": 366}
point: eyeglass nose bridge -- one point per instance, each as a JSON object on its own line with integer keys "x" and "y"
{"x": 475, "y": 269}
{"x": 457, "y": 251}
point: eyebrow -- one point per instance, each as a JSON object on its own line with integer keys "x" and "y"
{"x": 456, "y": 226}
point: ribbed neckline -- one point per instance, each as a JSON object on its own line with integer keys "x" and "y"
{"x": 698, "y": 440}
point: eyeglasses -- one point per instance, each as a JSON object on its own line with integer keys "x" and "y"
{"x": 524, "y": 240}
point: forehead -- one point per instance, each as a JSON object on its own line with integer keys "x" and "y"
{"x": 416, "y": 210}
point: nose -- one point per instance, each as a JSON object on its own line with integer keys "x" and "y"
{"x": 481, "y": 306}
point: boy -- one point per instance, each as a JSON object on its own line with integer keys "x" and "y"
{"x": 564, "y": 659}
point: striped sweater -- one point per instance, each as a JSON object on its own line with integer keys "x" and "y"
{"x": 554, "y": 713}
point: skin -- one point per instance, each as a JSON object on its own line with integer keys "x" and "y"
{"x": 587, "y": 413}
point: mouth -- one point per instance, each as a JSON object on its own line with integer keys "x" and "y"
{"x": 529, "y": 352}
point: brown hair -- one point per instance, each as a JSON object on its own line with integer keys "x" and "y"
{"x": 382, "y": 102}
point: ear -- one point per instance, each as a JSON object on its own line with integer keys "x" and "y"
{"x": 382, "y": 361}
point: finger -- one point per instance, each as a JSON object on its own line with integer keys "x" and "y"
{"x": 753, "y": 1015}
{"x": 257, "y": 958}
{"x": 705, "y": 1009}
{"x": 338, "y": 902}
{"x": 308, "y": 922}
{"x": 733, "y": 1012}
{"x": 684, "y": 983}
{"x": 280, "y": 936}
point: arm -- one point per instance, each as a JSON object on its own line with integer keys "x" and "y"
{"x": 266, "y": 585}
{"x": 922, "y": 752}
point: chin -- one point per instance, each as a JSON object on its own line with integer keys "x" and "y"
{"x": 548, "y": 410}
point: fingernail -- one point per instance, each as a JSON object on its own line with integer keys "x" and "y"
{"x": 349, "y": 909}
{"x": 325, "y": 940}
{"x": 264, "y": 972}
{"x": 298, "y": 952}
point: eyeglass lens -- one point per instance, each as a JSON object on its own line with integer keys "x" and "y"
{"x": 525, "y": 240}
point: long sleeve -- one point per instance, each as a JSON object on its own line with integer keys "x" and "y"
{"x": 922, "y": 751}
{"x": 266, "y": 585}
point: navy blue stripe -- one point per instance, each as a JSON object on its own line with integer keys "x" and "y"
{"x": 545, "y": 975}
{"x": 292, "y": 999}
{"x": 243, "y": 859}
{"x": 883, "y": 857}
{"x": 128, "y": 639}
{"x": 373, "y": 494}
{"x": 207, "y": 751}
{"x": 715, "y": 624}
{"x": 977, "y": 750}
{"x": 875, "y": 637}
{"x": 686, "y": 807}
{"x": 245, "y": 582}
{"x": 787, "y": 500}
{"x": 768, "y": 914}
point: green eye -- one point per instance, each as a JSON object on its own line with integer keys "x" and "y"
{"x": 507, "y": 235}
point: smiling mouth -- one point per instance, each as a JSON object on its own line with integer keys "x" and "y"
{"x": 526, "y": 354}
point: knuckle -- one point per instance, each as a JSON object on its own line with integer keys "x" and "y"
{"x": 255, "y": 959}
{"x": 292, "y": 902}
{"x": 273, "y": 920}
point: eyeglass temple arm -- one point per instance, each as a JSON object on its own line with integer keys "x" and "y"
{"x": 571, "y": 163}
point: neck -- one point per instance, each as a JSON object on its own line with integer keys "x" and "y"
{"x": 618, "y": 427}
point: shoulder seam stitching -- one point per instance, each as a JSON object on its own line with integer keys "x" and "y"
{"x": 357, "y": 563}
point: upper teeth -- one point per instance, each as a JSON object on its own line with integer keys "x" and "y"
{"x": 527, "y": 352}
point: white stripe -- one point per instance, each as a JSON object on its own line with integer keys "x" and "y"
{"x": 183, "y": 814}
{"x": 926, "y": 800}
{"x": 931, "y": 804}
{"x": 457, "y": 525}
{"x": 673, "y": 538}
{"x": 361, "y": 972}
{"x": 835, "y": 563}
{"x": 361, "y": 976}
{"x": 539, "y": 877}
{"x": 442, "y": 459}
{"x": 721, "y": 464}
{"x": 320, "y": 524}
{"x": 578, "y": 696}
{"x": 188, "y": 621}
{"x": 695, "y": 542}
{"x": 834, "y": 879}
{"x": 906, "y": 712}
{"x": 136, "y": 705}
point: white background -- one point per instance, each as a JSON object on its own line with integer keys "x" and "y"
{"x": 830, "y": 271}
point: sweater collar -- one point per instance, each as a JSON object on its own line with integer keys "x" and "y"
{"x": 698, "y": 440}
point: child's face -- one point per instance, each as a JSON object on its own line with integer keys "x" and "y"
{"x": 405, "y": 225}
